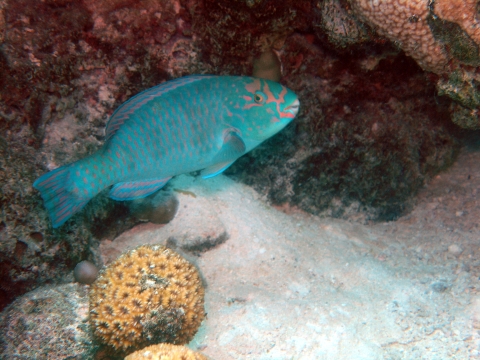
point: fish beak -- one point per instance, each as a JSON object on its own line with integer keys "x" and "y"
{"x": 291, "y": 110}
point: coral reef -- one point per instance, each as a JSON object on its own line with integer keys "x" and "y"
{"x": 462, "y": 86}
{"x": 335, "y": 19}
{"x": 457, "y": 25}
{"x": 464, "y": 13}
{"x": 405, "y": 23}
{"x": 67, "y": 65}
{"x": 147, "y": 296}
{"x": 48, "y": 323}
{"x": 166, "y": 352}
{"x": 442, "y": 36}
{"x": 433, "y": 33}
{"x": 232, "y": 33}
{"x": 31, "y": 253}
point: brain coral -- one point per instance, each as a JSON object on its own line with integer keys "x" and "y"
{"x": 405, "y": 23}
{"x": 462, "y": 12}
{"x": 166, "y": 352}
{"x": 442, "y": 36}
{"x": 148, "y": 295}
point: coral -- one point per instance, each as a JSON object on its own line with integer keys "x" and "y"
{"x": 405, "y": 23}
{"x": 159, "y": 32}
{"x": 454, "y": 24}
{"x": 2, "y": 22}
{"x": 464, "y": 117}
{"x": 65, "y": 65}
{"x": 48, "y": 323}
{"x": 431, "y": 32}
{"x": 31, "y": 253}
{"x": 233, "y": 32}
{"x": 442, "y": 36}
{"x": 166, "y": 352}
{"x": 462, "y": 12}
{"x": 63, "y": 70}
{"x": 148, "y": 295}
{"x": 40, "y": 55}
{"x": 335, "y": 19}
{"x": 461, "y": 86}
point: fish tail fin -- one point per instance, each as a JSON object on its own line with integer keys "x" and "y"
{"x": 59, "y": 201}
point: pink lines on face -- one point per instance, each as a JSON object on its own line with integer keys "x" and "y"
{"x": 271, "y": 98}
{"x": 254, "y": 86}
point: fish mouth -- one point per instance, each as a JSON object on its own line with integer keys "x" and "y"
{"x": 291, "y": 110}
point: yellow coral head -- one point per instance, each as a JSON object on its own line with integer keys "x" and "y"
{"x": 148, "y": 295}
{"x": 166, "y": 352}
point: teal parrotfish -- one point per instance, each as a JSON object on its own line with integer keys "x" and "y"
{"x": 188, "y": 124}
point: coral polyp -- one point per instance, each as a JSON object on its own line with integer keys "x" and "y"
{"x": 148, "y": 295}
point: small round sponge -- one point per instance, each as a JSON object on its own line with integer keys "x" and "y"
{"x": 148, "y": 295}
{"x": 85, "y": 272}
{"x": 166, "y": 352}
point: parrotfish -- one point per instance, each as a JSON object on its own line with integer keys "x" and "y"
{"x": 184, "y": 125}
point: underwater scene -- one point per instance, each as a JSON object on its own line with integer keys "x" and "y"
{"x": 242, "y": 179}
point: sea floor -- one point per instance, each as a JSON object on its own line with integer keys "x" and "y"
{"x": 294, "y": 286}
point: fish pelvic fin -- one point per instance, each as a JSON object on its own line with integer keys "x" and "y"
{"x": 215, "y": 170}
{"x": 136, "y": 189}
{"x": 60, "y": 203}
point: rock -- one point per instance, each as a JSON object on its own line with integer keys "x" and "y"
{"x": 48, "y": 323}
{"x": 85, "y": 272}
{"x": 455, "y": 249}
{"x": 160, "y": 208}
{"x": 439, "y": 286}
{"x": 195, "y": 228}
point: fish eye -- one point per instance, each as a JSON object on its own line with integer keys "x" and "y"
{"x": 259, "y": 98}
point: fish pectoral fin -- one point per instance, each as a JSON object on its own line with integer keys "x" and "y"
{"x": 136, "y": 189}
{"x": 216, "y": 169}
{"x": 233, "y": 147}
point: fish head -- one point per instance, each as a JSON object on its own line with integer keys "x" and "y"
{"x": 267, "y": 107}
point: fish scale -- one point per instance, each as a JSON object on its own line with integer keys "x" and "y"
{"x": 188, "y": 124}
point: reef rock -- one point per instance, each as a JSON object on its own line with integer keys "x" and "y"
{"x": 48, "y": 323}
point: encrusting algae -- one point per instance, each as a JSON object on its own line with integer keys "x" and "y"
{"x": 148, "y": 295}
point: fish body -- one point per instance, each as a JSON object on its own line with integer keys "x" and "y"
{"x": 188, "y": 124}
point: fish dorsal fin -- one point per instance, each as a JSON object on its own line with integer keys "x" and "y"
{"x": 122, "y": 114}
{"x": 136, "y": 189}
{"x": 233, "y": 147}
